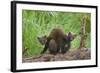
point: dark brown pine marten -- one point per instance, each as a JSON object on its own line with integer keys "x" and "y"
{"x": 57, "y": 41}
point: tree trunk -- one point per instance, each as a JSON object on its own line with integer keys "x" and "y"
{"x": 83, "y": 33}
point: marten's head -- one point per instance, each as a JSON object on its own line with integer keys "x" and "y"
{"x": 42, "y": 39}
{"x": 71, "y": 36}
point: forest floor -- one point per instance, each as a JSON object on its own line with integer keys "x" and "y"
{"x": 80, "y": 54}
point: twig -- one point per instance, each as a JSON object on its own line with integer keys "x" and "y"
{"x": 32, "y": 57}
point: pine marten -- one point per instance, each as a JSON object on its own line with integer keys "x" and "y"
{"x": 57, "y": 41}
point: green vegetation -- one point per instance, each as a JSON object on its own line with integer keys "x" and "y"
{"x": 39, "y": 23}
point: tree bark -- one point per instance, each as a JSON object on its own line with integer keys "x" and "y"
{"x": 83, "y": 33}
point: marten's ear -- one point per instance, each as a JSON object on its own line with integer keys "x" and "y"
{"x": 45, "y": 36}
{"x": 38, "y": 38}
{"x": 70, "y": 33}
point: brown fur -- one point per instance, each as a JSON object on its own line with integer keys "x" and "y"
{"x": 57, "y": 35}
{"x": 56, "y": 41}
